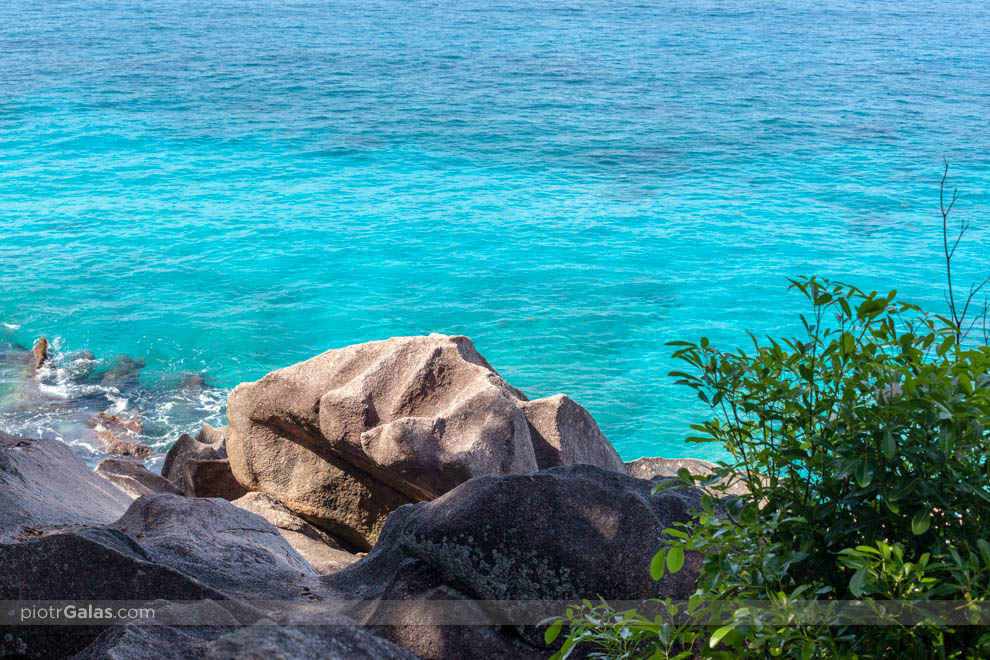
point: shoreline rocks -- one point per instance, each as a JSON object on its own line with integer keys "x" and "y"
{"x": 465, "y": 492}
{"x": 649, "y": 467}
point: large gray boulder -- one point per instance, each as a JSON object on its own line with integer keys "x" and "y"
{"x": 558, "y": 535}
{"x": 164, "y": 547}
{"x": 218, "y": 544}
{"x": 564, "y": 433}
{"x": 347, "y": 437}
{"x": 169, "y": 635}
{"x": 45, "y": 486}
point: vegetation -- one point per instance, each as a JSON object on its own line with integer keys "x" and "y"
{"x": 864, "y": 448}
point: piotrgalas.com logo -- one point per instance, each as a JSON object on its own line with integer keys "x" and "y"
{"x": 82, "y": 613}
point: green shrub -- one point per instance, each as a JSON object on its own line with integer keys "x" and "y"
{"x": 863, "y": 445}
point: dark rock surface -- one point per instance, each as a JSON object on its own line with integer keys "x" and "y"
{"x": 340, "y": 640}
{"x": 560, "y": 534}
{"x": 44, "y": 486}
{"x": 164, "y": 547}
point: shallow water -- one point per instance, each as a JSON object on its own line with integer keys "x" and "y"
{"x": 228, "y": 187}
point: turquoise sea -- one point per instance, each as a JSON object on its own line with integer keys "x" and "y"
{"x": 226, "y": 187}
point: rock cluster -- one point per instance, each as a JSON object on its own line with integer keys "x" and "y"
{"x": 347, "y": 437}
{"x": 470, "y": 497}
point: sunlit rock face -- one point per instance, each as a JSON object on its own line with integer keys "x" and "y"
{"x": 350, "y": 435}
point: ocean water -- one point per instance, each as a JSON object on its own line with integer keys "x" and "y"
{"x": 223, "y": 188}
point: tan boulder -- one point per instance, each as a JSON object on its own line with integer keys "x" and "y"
{"x": 564, "y": 433}
{"x": 348, "y": 436}
{"x": 199, "y": 467}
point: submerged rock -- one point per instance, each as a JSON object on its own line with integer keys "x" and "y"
{"x": 133, "y": 478}
{"x": 561, "y": 534}
{"x": 44, "y": 486}
{"x": 347, "y": 437}
{"x": 323, "y": 552}
{"x": 123, "y": 368}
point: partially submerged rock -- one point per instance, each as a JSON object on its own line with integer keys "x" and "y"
{"x": 122, "y": 369}
{"x": 45, "y": 486}
{"x": 119, "y": 435}
{"x": 133, "y": 478}
{"x": 561, "y": 534}
{"x": 39, "y": 352}
{"x": 346, "y": 437}
{"x": 322, "y": 551}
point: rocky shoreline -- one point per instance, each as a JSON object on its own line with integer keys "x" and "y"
{"x": 399, "y": 472}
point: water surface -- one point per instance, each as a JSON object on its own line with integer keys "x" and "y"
{"x": 228, "y": 187}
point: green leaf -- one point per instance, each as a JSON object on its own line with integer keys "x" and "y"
{"x": 864, "y": 475}
{"x": 857, "y": 583}
{"x": 718, "y": 635}
{"x": 553, "y": 631}
{"x": 708, "y": 504}
{"x": 921, "y": 521}
{"x": 657, "y": 564}
{"x": 888, "y": 445}
{"x": 848, "y": 342}
{"x": 675, "y": 558}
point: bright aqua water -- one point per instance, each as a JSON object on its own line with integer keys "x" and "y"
{"x": 228, "y": 187}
